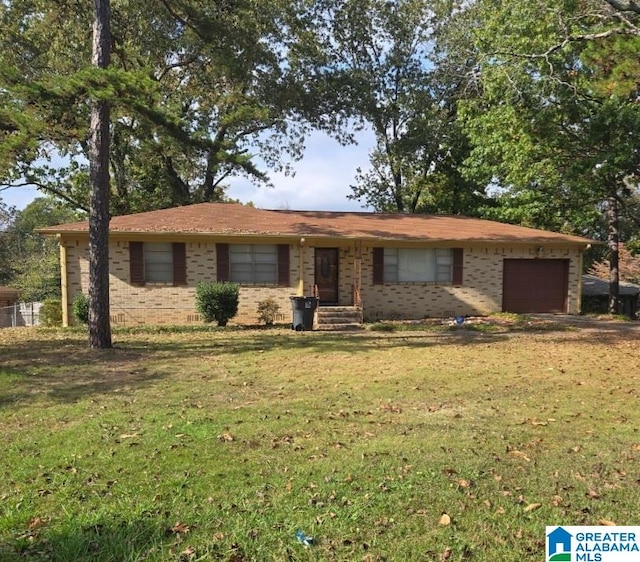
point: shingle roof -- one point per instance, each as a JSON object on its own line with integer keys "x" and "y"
{"x": 238, "y": 220}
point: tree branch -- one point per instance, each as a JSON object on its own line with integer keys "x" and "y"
{"x": 625, "y": 6}
{"x": 50, "y": 189}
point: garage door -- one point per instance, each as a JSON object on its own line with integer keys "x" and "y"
{"x": 535, "y": 285}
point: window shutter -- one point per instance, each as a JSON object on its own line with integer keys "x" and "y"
{"x": 136, "y": 263}
{"x": 283, "y": 265}
{"x": 456, "y": 277}
{"x": 179, "y": 264}
{"x": 222, "y": 260}
{"x": 378, "y": 266}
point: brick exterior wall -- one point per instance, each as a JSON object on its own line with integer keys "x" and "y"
{"x": 480, "y": 293}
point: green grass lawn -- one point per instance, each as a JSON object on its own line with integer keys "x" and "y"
{"x": 221, "y": 444}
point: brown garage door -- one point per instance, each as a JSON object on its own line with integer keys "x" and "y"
{"x": 535, "y": 285}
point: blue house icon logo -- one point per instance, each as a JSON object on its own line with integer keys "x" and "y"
{"x": 559, "y": 545}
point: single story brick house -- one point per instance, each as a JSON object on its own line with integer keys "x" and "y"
{"x": 388, "y": 266}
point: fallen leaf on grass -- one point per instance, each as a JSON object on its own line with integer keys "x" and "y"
{"x": 532, "y": 507}
{"x": 35, "y": 523}
{"x": 394, "y": 408}
{"x": 180, "y": 528}
{"x": 606, "y": 523}
{"x": 444, "y": 520}
{"x": 225, "y": 437}
{"x": 463, "y": 483}
{"x": 592, "y": 494}
{"x": 446, "y": 554}
{"x": 520, "y": 455}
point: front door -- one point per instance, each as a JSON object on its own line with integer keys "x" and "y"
{"x": 327, "y": 274}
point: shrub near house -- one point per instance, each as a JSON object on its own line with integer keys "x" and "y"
{"x": 217, "y": 301}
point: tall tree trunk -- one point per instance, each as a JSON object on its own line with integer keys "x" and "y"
{"x": 99, "y": 322}
{"x": 613, "y": 240}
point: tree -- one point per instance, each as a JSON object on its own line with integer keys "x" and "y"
{"x": 32, "y": 260}
{"x": 548, "y": 127}
{"x": 629, "y": 267}
{"x": 379, "y": 55}
{"x": 197, "y": 93}
{"x": 99, "y": 320}
{"x": 6, "y": 219}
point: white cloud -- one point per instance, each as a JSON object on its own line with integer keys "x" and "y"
{"x": 321, "y": 181}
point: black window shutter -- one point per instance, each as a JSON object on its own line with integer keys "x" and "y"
{"x": 222, "y": 259}
{"x": 378, "y": 266}
{"x": 458, "y": 259}
{"x": 283, "y": 265}
{"x": 136, "y": 263}
{"x": 179, "y": 264}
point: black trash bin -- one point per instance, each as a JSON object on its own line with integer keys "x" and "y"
{"x": 303, "y": 309}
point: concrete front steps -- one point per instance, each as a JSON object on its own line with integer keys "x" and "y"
{"x": 335, "y": 318}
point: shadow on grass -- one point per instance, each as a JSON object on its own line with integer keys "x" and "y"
{"x": 105, "y": 540}
{"x": 59, "y": 365}
{"x": 66, "y": 370}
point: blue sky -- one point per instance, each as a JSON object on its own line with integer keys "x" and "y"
{"x": 321, "y": 181}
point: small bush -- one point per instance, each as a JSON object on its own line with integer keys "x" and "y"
{"x": 267, "y": 310}
{"x": 80, "y": 308}
{"x": 218, "y": 301}
{"x": 51, "y": 312}
{"x": 382, "y": 327}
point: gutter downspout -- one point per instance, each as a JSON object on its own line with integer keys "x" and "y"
{"x": 580, "y": 267}
{"x": 300, "y": 289}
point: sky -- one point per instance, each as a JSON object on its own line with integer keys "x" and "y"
{"x": 321, "y": 181}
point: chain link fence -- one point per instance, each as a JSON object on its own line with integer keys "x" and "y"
{"x": 20, "y": 314}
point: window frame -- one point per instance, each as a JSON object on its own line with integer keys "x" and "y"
{"x": 139, "y": 269}
{"x": 258, "y": 266}
{"x": 442, "y": 266}
{"x": 158, "y": 271}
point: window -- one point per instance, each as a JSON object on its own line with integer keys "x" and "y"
{"x": 253, "y": 264}
{"x": 417, "y": 265}
{"x": 157, "y": 262}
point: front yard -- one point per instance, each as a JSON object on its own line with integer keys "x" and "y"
{"x": 221, "y": 444}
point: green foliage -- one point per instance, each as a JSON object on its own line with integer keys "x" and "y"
{"x": 28, "y": 260}
{"x": 197, "y": 93}
{"x": 51, "y": 312}
{"x": 218, "y": 301}
{"x": 382, "y": 327}
{"x": 555, "y": 128}
{"x": 267, "y": 310}
{"x": 80, "y": 308}
{"x": 380, "y": 58}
